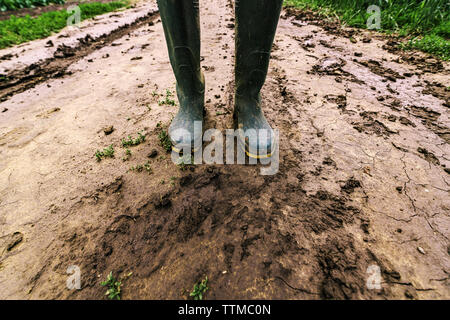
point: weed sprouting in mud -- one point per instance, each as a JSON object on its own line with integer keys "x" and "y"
{"x": 113, "y": 285}
{"x": 133, "y": 142}
{"x": 183, "y": 162}
{"x": 164, "y": 140}
{"x": 141, "y": 167}
{"x": 127, "y": 155}
{"x": 168, "y": 100}
{"x": 106, "y": 153}
{"x": 200, "y": 289}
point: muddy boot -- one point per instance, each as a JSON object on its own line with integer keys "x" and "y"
{"x": 256, "y": 23}
{"x": 182, "y": 30}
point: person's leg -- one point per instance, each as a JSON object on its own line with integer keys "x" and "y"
{"x": 182, "y": 30}
{"x": 256, "y": 23}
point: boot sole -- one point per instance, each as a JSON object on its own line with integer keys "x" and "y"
{"x": 244, "y": 147}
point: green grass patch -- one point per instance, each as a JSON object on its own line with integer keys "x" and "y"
{"x": 19, "y": 4}
{"x": 17, "y": 30}
{"x": 432, "y": 44}
{"x": 427, "y": 21}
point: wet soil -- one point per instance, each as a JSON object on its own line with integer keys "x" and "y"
{"x": 363, "y": 178}
{"x": 55, "y": 66}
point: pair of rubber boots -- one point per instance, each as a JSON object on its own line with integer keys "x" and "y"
{"x": 256, "y": 23}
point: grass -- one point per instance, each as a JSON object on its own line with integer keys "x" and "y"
{"x": 17, "y": 30}
{"x": 18, "y": 4}
{"x": 432, "y": 44}
{"x": 168, "y": 100}
{"x": 199, "y": 289}
{"x": 164, "y": 140}
{"x": 133, "y": 142}
{"x": 427, "y": 22}
{"x": 113, "y": 285}
{"x": 106, "y": 153}
{"x": 127, "y": 155}
{"x": 141, "y": 167}
{"x": 184, "y": 161}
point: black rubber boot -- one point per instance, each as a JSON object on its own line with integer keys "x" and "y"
{"x": 256, "y": 24}
{"x": 181, "y": 24}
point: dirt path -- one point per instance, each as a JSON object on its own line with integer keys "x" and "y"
{"x": 363, "y": 180}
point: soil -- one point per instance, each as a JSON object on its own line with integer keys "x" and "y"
{"x": 363, "y": 178}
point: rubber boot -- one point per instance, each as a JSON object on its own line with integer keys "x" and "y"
{"x": 181, "y": 25}
{"x": 256, "y": 24}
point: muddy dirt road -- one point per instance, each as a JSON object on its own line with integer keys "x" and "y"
{"x": 363, "y": 179}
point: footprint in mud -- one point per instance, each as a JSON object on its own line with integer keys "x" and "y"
{"x": 332, "y": 66}
{"x": 377, "y": 68}
{"x": 350, "y": 185}
{"x": 424, "y": 113}
{"x": 13, "y": 135}
{"x": 372, "y": 126}
{"x": 429, "y": 156}
{"x": 10, "y": 241}
{"x": 329, "y": 66}
{"x": 46, "y": 114}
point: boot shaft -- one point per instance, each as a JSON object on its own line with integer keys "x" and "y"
{"x": 181, "y": 23}
{"x": 256, "y": 24}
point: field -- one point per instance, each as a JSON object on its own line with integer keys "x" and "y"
{"x": 19, "y": 4}
{"x": 425, "y": 22}
{"x": 17, "y": 30}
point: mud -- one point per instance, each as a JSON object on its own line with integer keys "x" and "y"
{"x": 363, "y": 180}
{"x": 18, "y": 80}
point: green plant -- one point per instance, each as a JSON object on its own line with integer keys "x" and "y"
{"x": 141, "y": 167}
{"x": 164, "y": 140}
{"x": 428, "y": 19}
{"x": 127, "y": 155}
{"x": 16, "y": 30}
{"x": 431, "y": 44}
{"x": 199, "y": 289}
{"x": 113, "y": 285}
{"x": 18, "y": 4}
{"x": 133, "y": 142}
{"x": 184, "y": 161}
{"x": 168, "y": 99}
{"x": 106, "y": 153}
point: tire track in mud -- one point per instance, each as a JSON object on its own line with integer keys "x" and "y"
{"x": 18, "y": 81}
